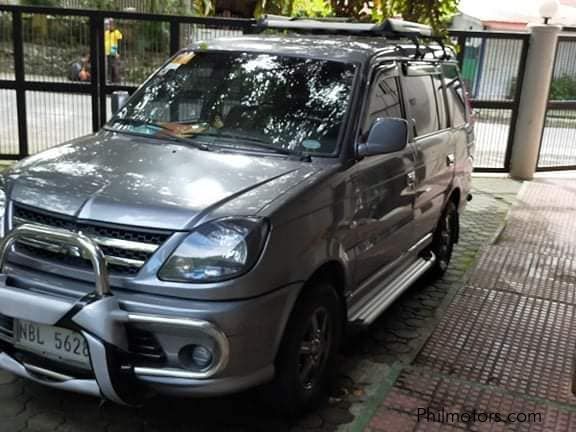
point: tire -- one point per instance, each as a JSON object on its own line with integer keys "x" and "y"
{"x": 444, "y": 238}
{"x": 306, "y": 356}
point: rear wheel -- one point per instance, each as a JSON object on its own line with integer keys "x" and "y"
{"x": 444, "y": 238}
{"x": 306, "y": 355}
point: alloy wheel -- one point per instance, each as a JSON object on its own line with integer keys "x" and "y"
{"x": 315, "y": 348}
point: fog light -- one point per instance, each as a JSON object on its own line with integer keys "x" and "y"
{"x": 196, "y": 357}
{"x": 201, "y": 356}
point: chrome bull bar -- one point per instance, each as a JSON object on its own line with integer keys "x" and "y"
{"x": 94, "y": 310}
{"x": 86, "y": 247}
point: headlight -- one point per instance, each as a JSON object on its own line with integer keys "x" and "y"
{"x": 217, "y": 250}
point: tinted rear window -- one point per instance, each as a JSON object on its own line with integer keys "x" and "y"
{"x": 421, "y": 103}
{"x": 455, "y": 94}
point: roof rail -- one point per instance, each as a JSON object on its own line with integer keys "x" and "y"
{"x": 389, "y": 27}
{"x": 406, "y": 28}
{"x": 421, "y": 35}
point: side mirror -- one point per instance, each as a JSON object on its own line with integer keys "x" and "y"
{"x": 119, "y": 99}
{"x": 387, "y": 135}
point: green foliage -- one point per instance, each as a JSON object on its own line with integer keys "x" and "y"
{"x": 436, "y": 13}
{"x": 563, "y": 88}
{"x": 202, "y": 7}
{"x": 311, "y": 8}
{"x": 272, "y": 7}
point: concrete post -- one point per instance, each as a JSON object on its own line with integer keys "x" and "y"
{"x": 533, "y": 101}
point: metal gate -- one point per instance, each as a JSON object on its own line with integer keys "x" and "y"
{"x": 492, "y": 65}
{"x": 41, "y": 106}
{"x": 558, "y": 145}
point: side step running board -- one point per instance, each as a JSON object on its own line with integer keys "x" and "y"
{"x": 368, "y": 313}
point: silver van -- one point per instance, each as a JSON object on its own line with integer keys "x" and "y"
{"x": 252, "y": 200}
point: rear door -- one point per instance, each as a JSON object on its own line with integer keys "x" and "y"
{"x": 462, "y": 130}
{"x": 383, "y": 215}
{"x": 425, "y": 99}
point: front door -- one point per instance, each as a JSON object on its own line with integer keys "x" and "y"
{"x": 383, "y": 190}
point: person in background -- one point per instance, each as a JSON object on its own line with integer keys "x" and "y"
{"x": 112, "y": 38}
{"x": 80, "y": 70}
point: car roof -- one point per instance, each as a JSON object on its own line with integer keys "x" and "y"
{"x": 343, "y": 48}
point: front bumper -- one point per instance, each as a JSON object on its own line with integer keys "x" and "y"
{"x": 243, "y": 340}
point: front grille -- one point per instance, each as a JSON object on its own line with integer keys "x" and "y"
{"x": 126, "y": 250}
{"x": 144, "y": 347}
{"x": 6, "y": 328}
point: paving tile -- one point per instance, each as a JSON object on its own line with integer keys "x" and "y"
{"x": 492, "y": 337}
{"x": 528, "y": 273}
{"x": 447, "y": 404}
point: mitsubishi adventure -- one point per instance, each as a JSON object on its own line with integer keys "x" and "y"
{"x": 255, "y": 198}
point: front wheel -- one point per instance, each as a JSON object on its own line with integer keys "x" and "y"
{"x": 306, "y": 356}
{"x": 444, "y": 239}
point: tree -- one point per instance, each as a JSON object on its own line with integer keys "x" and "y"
{"x": 433, "y": 12}
{"x": 436, "y": 13}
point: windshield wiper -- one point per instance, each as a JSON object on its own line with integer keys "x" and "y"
{"x": 252, "y": 141}
{"x": 168, "y": 133}
{"x": 139, "y": 122}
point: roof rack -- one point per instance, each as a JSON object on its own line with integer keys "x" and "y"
{"x": 389, "y": 28}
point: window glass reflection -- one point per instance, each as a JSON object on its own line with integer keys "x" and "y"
{"x": 286, "y": 102}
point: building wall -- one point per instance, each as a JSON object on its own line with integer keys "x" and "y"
{"x": 465, "y": 22}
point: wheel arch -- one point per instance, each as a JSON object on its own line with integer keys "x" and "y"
{"x": 334, "y": 273}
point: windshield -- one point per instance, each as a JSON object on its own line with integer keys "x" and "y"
{"x": 268, "y": 102}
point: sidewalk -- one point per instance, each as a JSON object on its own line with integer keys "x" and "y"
{"x": 506, "y": 343}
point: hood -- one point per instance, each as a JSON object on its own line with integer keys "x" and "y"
{"x": 144, "y": 182}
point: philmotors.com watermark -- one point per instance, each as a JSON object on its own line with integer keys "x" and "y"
{"x": 473, "y": 416}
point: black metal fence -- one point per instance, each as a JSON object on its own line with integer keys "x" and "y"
{"x": 492, "y": 65}
{"x": 40, "y": 106}
{"x": 558, "y": 146}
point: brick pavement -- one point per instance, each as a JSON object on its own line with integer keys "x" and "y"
{"x": 370, "y": 365}
{"x": 505, "y": 344}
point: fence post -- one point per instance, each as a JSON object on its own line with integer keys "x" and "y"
{"x": 174, "y": 37}
{"x": 533, "y": 101}
{"x": 102, "y": 68}
{"x": 95, "y": 71}
{"x": 17, "y": 38}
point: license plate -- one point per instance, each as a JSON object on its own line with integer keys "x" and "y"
{"x": 55, "y": 343}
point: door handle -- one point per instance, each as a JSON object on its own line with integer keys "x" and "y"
{"x": 450, "y": 159}
{"x": 411, "y": 180}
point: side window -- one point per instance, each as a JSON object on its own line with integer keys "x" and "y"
{"x": 421, "y": 103}
{"x": 455, "y": 94}
{"x": 441, "y": 101}
{"x": 384, "y": 102}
